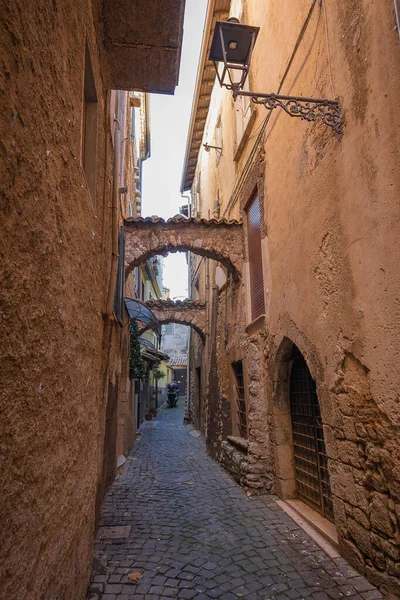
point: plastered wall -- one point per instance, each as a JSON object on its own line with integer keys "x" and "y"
{"x": 330, "y": 261}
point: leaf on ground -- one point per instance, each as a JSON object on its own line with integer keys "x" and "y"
{"x": 134, "y": 576}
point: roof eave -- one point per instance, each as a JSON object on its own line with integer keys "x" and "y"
{"x": 214, "y": 11}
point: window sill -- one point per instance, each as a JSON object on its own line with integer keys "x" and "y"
{"x": 238, "y": 442}
{"x": 255, "y": 325}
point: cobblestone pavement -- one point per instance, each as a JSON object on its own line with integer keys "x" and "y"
{"x": 191, "y": 532}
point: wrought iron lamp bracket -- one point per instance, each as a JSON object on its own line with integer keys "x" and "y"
{"x": 207, "y": 148}
{"x": 307, "y": 109}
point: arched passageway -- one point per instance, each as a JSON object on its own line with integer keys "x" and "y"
{"x": 219, "y": 240}
{"x": 185, "y": 312}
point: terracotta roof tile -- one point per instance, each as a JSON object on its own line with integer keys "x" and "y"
{"x": 178, "y": 361}
{"x": 178, "y": 304}
{"x": 177, "y": 219}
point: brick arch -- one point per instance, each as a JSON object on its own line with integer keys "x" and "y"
{"x": 187, "y": 312}
{"x": 219, "y": 240}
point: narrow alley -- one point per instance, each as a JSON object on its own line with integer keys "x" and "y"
{"x": 177, "y": 519}
{"x": 199, "y": 198}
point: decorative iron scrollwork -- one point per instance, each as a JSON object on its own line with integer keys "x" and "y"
{"x": 308, "y": 109}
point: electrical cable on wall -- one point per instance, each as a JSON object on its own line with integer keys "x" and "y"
{"x": 328, "y": 50}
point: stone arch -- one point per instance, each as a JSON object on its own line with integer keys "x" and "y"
{"x": 281, "y": 430}
{"x": 220, "y": 240}
{"x": 187, "y": 312}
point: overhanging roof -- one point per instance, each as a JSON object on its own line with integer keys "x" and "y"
{"x": 139, "y": 312}
{"x": 217, "y": 10}
{"x": 147, "y": 344}
{"x": 152, "y": 349}
{"x": 142, "y": 42}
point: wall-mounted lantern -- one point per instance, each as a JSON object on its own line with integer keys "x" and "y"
{"x": 233, "y": 45}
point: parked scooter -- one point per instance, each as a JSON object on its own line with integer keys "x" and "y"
{"x": 172, "y": 394}
{"x": 172, "y": 398}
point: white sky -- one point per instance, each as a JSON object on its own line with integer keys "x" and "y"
{"x": 169, "y": 122}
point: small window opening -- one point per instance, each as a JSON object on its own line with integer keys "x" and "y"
{"x": 90, "y": 116}
{"x": 255, "y": 259}
{"x": 240, "y": 399}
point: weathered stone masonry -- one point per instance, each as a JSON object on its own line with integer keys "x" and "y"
{"x": 187, "y": 312}
{"x": 220, "y": 240}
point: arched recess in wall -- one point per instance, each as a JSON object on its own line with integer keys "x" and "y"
{"x": 301, "y": 458}
{"x": 186, "y": 322}
{"x": 165, "y": 249}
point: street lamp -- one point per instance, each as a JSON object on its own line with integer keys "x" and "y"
{"x": 232, "y": 45}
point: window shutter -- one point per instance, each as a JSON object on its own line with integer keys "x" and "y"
{"x": 119, "y": 288}
{"x": 255, "y": 258}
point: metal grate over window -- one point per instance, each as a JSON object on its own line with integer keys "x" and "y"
{"x": 255, "y": 258}
{"x": 310, "y": 458}
{"x": 240, "y": 399}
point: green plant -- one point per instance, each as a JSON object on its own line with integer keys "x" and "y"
{"x": 159, "y": 374}
{"x": 136, "y": 362}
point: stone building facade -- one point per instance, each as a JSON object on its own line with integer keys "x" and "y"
{"x": 295, "y": 386}
{"x": 68, "y": 179}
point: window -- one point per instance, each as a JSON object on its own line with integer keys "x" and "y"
{"x": 241, "y": 411}
{"x": 255, "y": 258}
{"x": 169, "y": 329}
{"x": 89, "y": 137}
{"x": 119, "y": 288}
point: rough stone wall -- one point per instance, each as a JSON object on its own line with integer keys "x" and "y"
{"x": 232, "y": 343}
{"x": 330, "y": 256}
{"x": 55, "y": 251}
{"x": 365, "y": 477}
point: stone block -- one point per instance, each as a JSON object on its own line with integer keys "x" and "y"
{"x": 362, "y": 496}
{"x": 379, "y": 514}
{"x": 349, "y": 428}
{"x": 389, "y": 547}
{"x": 361, "y": 518}
{"x": 254, "y": 387}
{"x": 384, "y": 581}
{"x": 351, "y": 553}
{"x": 285, "y": 462}
{"x": 379, "y": 559}
{"x": 342, "y": 483}
{"x": 340, "y": 515}
{"x": 361, "y": 537}
{"x": 348, "y": 453}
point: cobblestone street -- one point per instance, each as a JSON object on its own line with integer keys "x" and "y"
{"x": 179, "y": 520}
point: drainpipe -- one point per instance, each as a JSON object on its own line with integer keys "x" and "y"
{"x": 114, "y": 221}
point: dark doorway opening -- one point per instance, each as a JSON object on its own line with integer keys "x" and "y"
{"x": 180, "y": 376}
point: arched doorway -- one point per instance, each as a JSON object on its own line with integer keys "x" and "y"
{"x": 310, "y": 458}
